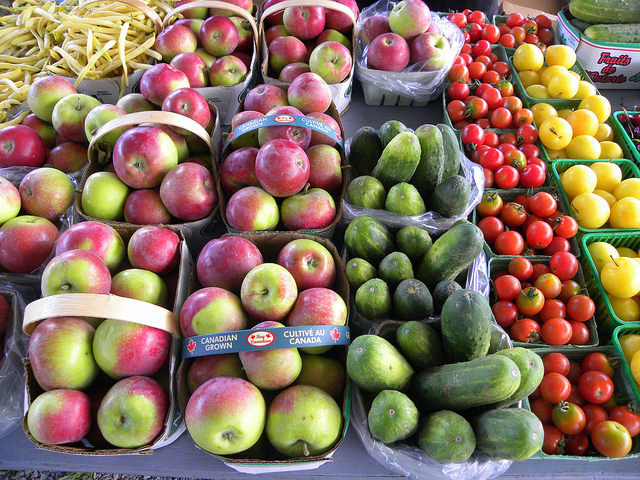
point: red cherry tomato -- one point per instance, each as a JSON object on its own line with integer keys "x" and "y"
{"x": 506, "y": 177}
{"x": 552, "y": 308}
{"x": 575, "y": 397}
{"x": 506, "y": 148}
{"x": 577, "y": 445}
{"x": 513, "y": 214}
{"x": 567, "y": 227}
{"x": 491, "y": 139}
{"x": 574, "y": 372}
{"x": 505, "y": 86}
{"x": 492, "y": 96}
{"x": 484, "y": 123}
{"x": 530, "y": 301}
{"x": 491, "y": 227}
{"x": 594, "y": 415}
{"x": 515, "y": 158}
{"x": 507, "y": 287}
{"x": 505, "y": 312}
{"x": 598, "y": 362}
{"x": 543, "y": 21}
{"x": 492, "y": 158}
{"x": 538, "y": 269}
{"x": 477, "y": 17}
{"x": 460, "y": 19}
{"x": 530, "y": 150}
{"x": 476, "y": 70}
{"x": 564, "y": 265}
{"x": 507, "y": 40}
{"x": 546, "y": 36}
{"x": 522, "y": 200}
{"x": 556, "y": 331}
{"x": 475, "y": 32}
{"x": 539, "y": 235}
{"x": 509, "y": 243}
{"x": 459, "y": 125}
{"x": 513, "y": 104}
{"x": 569, "y": 289}
{"x": 580, "y": 308}
{"x": 521, "y": 268}
{"x": 542, "y": 204}
{"x": 542, "y": 409}
{"x": 456, "y": 109}
{"x": 484, "y": 59}
{"x": 552, "y": 437}
{"x": 580, "y": 335}
{"x": 596, "y": 387}
{"x": 556, "y": 362}
{"x": 519, "y": 34}
{"x": 467, "y": 50}
{"x": 458, "y": 91}
{"x": 491, "y": 76}
{"x": 568, "y": 418}
{"x": 514, "y": 20}
{"x": 532, "y": 39}
{"x": 532, "y": 176}
{"x": 459, "y": 73}
{"x": 558, "y": 244}
{"x": 554, "y": 387}
{"x": 525, "y": 330}
{"x": 472, "y": 136}
{"x": 523, "y": 117}
{"x": 488, "y": 178}
{"x": 508, "y": 137}
{"x": 501, "y": 117}
{"x": 526, "y": 134}
{"x": 482, "y": 47}
{"x": 630, "y": 420}
{"x": 549, "y": 285}
{"x": 611, "y": 439}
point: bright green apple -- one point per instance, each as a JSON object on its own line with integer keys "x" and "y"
{"x": 104, "y": 196}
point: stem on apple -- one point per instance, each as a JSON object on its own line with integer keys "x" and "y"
{"x": 305, "y": 449}
{"x": 614, "y": 261}
{"x": 264, "y": 291}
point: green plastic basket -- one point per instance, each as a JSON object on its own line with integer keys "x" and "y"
{"x": 621, "y": 331}
{"x": 622, "y": 388}
{"x": 629, "y": 170}
{"x": 607, "y": 319}
{"x": 501, "y": 263}
{"x": 620, "y": 132}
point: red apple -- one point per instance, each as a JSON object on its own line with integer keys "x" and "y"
{"x": 135, "y": 102}
{"x": 274, "y": 32}
{"x": 69, "y": 116}
{"x": 198, "y": 12}
{"x": 313, "y": 208}
{"x": 45, "y": 92}
{"x": 21, "y": 147}
{"x": 224, "y": 262}
{"x": 374, "y": 27}
{"x": 68, "y": 157}
{"x": 264, "y": 98}
{"x": 310, "y": 263}
{"x": 206, "y": 368}
{"x": 96, "y": 237}
{"x": 212, "y": 310}
{"x": 227, "y": 71}
{"x": 282, "y": 168}
{"x": 318, "y": 138}
{"x": 330, "y": 35}
{"x": 75, "y": 271}
{"x": 434, "y": 28}
{"x": 188, "y": 102}
{"x": 144, "y": 207}
{"x": 276, "y": 18}
{"x": 188, "y": 191}
{"x": 291, "y": 71}
{"x": 178, "y": 140}
{"x": 325, "y": 168}
{"x": 332, "y": 61}
{"x": 309, "y": 93}
{"x": 339, "y": 21}
{"x": 245, "y": 34}
{"x": 160, "y": 80}
{"x": 251, "y": 209}
{"x": 246, "y": 4}
{"x": 44, "y": 130}
{"x": 46, "y": 192}
{"x": 304, "y": 23}
{"x": 299, "y": 135}
{"x": 193, "y": 24}
{"x": 244, "y": 58}
{"x": 410, "y": 18}
{"x": 206, "y": 56}
{"x": 219, "y": 36}
{"x": 249, "y": 139}
{"x": 175, "y": 39}
{"x": 431, "y": 50}
{"x": 239, "y": 170}
{"x": 25, "y": 242}
{"x": 285, "y": 50}
{"x": 59, "y": 416}
{"x": 194, "y": 67}
{"x": 388, "y": 52}
{"x": 155, "y": 249}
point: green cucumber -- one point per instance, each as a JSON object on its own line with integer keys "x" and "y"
{"x": 442, "y": 291}
{"x": 412, "y": 300}
{"x": 413, "y": 241}
{"x": 614, "y": 32}
{"x": 428, "y": 174}
{"x": 446, "y": 437}
{"x": 392, "y": 417}
{"x": 421, "y": 344}
{"x": 368, "y": 238}
{"x": 394, "y": 268}
{"x": 451, "y": 147}
{"x": 358, "y": 271}
{"x": 367, "y": 192}
{"x": 389, "y": 130}
{"x": 606, "y": 11}
{"x": 508, "y": 433}
{"x": 531, "y": 372}
{"x": 373, "y": 299}
{"x": 451, "y": 196}
{"x": 398, "y": 160}
{"x": 404, "y": 199}
{"x": 364, "y": 151}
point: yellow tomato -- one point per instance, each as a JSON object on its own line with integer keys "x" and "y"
{"x": 635, "y": 367}
{"x": 537, "y": 91}
{"x": 585, "y": 89}
{"x": 598, "y": 105}
{"x": 609, "y": 149}
{"x": 628, "y": 188}
{"x": 563, "y": 85}
{"x": 583, "y": 122}
{"x": 601, "y": 253}
{"x": 590, "y": 210}
{"x": 542, "y": 111}
{"x": 555, "y": 133}
{"x": 626, "y": 252}
{"x": 556, "y": 154}
{"x": 528, "y": 78}
{"x": 560, "y": 55}
{"x": 606, "y": 195}
{"x": 630, "y": 344}
{"x": 609, "y": 175}
{"x": 579, "y": 179}
{"x": 626, "y": 309}
{"x": 574, "y": 74}
{"x": 528, "y": 57}
{"x": 583, "y": 146}
{"x": 549, "y": 72}
{"x": 564, "y": 112}
{"x": 620, "y": 277}
{"x": 604, "y": 133}
{"x": 625, "y": 213}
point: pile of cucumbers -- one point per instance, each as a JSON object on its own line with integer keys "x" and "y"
{"x": 616, "y": 21}
{"x": 407, "y": 172}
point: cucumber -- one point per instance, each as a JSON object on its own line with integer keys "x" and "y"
{"x": 404, "y": 199}
{"x": 458, "y": 386}
{"x": 606, "y": 11}
{"x": 364, "y": 150}
{"x": 367, "y": 192}
{"x": 451, "y": 148}
{"x": 413, "y": 241}
{"x": 393, "y": 417}
{"x": 394, "y": 268}
{"x": 450, "y": 197}
{"x": 359, "y": 271}
{"x": 412, "y": 300}
{"x": 508, "y": 433}
{"x": 442, "y": 291}
{"x": 389, "y": 129}
{"x": 614, "y": 32}
{"x": 368, "y": 238}
{"x": 399, "y": 160}
{"x": 531, "y": 373}
{"x": 373, "y": 299}
{"x": 446, "y": 437}
{"x": 421, "y": 344}
{"x": 428, "y": 174}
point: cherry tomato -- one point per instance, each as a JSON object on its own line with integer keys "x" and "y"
{"x": 529, "y": 301}
{"x": 505, "y": 312}
{"x": 594, "y": 415}
{"x": 458, "y": 91}
{"x": 459, "y": 74}
{"x": 491, "y": 139}
{"x": 509, "y": 243}
{"x": 466, "y": 58}
{"x": 532, "y": 176}
{"x": 597, "y": 361}
{"x": 466, "y": 50}
{"x": 542, "y": 204}
{"x": 507, "y": 287}
{"x": 542, "y": 409}
{"x": 630, "y": 420}
{"x": 459, "y": 61}
{"x": 513, "y": 214}
{"x": 514, "y": 20}
{"x": 580, "y": 308}
{"x": 569, "y": 289}
{"x": 567, "y": 227}
{"x": 574, "y": 372}
{"x": 482, "y": 47}
{"x": 488, "y": 178}
{"x": 539, "y": 235}
{"x": 475, "y": 32}
{"x": 577, "y": 444}
{"x": 492, "y": 96}
{"x": 507, "y": 40}
{"x": 530, "y": 27}
{"x": 472, "y": 136}
{"x": 483, "y": 123}
{"x": 543, "y": 21}
{"x": 575, "y": 397}
{"x": 552, "y": 308}
{"x": 556, "y": 362}
{"x": 519, "y": 34}
{"x": 456, "y": 109}
{"x": 558, "y": 244}
{"x": 460, "y": 124}
{"x": 491, "y": 227}
{"x": 501, "y": 117}
{"x": 611, "y": 439}
{"x": 523, "y": 117}
{"x": 508, "y": 137}
{"x": 483, "y": 87}
{"x": 521, "y": 268}
{"x": 538, "y": 269}
{"x": 515, "y": 158}
{"x": 492, "y": 158}
{"x": 549, "y": 285}
{"x": 477, "y": 108}
{"x": 554, "y": 387}
{"x": 532, "y": 39}
{"x": 564, "y": 265}
{"x": 506, "y": 148}
{"x": 486, "y": 60}
{"x": 568, "y": 418}
{"x": 552, "y": 438}
{"x": 596, "y": 387}
{"x": 526, "y": 134}
{"x": 460, "y": 19}
{"x": 490, "y": 204}
{"x": 525, "y": 330}
{"x": 476, "y": 70}
{"x": 556, "y": 331}
{"x": 477, "y": 17}
{"x": 546, "y": 36}
{"x": 490, "y": 33}
{"x": 580, "y": 335}
{"x": 506, "y": 177}
{"x": 491, "y": 76}
{"x": 530, "y": 150}
{"x": 504, "y": 28}
{"x": 466, "y": 37}
{"x": 522, "y": 200}
{"x": 505, "y": 87}
{"x": 513, "y": 104}
{"x": 494, "y": 57}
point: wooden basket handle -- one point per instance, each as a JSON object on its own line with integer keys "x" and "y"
{"x": 139, "y": 4}
{"x": 100, "y": 306}
{"x": 307, "y": 3}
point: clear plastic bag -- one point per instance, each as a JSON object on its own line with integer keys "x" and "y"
{"x": 410, "y": 82}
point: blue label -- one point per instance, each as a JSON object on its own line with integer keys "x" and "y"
{"x": 265, "y": 339}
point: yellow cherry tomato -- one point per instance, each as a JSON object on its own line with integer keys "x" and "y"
{"x": 574, "y": 74}
{"x": 625, "y": 213}
{"x": 528, "y": 78}
{"x": 609, "y": 149}
{"x": 542, "y": 111}
{"x": 555, "y": 133}
{"x": 609, "y": 175}
{"x": 604, "y": 133}
{"x": 528, "y": 57}
{"x": 537, "y": 91}
{"x": 564, "y": 112}
{"x": 635, "y": 367}
{"x": 606, "y": 195}
{"x": 583, "y": 146}
{"x": 556, "y": 154}
{"x": 590, "y": 210}
{"x": 599, "y": 105}
{"x": 585, "y": 89}
{"x": 628, "y": 188}
{"x": 601, "y": 253}
{"x": 630, "y": 344}
{"x": 549, "y": 72}
{"x": 626, "y": 309}
{"x": 626, "y": 252}
{"x": 563, "y": 85}
{"x": 620, "y": 277}
{"x": 579, "y": 179}
{"x": 560, "y": 55}
{"x": 583, "y": 122}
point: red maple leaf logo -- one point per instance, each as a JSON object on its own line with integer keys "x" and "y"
{"x": 191, "y": 346}
{"x": 335, "y": 334}
{"x": 231, "y": 135}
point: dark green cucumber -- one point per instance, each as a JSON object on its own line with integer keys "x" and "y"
{"x": 373, "y": 299}
{"x": 398, "y": 160}
{"x": 421, "y": 344}
{"x": 359, "y": 271}
{"x": 531, "y": 373}
{"x": 451, "y": 147}
{"x": 508, "y": 433}
{"x": 450, "y": 197}
{"x": 446, "y": 437}
{"x": 364, "y": 151}
{"x": 367, "y": 192}
{"x": 368, "y": 238}
{"x": 413, "y": 241}
{"x": 442, "y": 291}
{"x": 404, "y": 199}
{"x": 614, "y": 32}
{"x": 412, "y": 300}
{"x": 606, "y": 11}
{"x": 389, "y": 129}
{"x": 432, "y": 158}
{"x": 394, "y": 268}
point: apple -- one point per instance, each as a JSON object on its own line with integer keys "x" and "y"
{"x": 21, "y": 147}
{"x": 301, "y": 136}
{"x": 330, "y": 35}
{"x": 434, "y": 28}
{"x": 410, "y": 18}
{"x": 45, "y": 131}
{"x": 246, "y": 4}
{"x": 374, "y": 27}
{"x": 274, "y": 32}
{"x": 245, "y": 34}
{"x": 249, "y": 139}
{"x": 61, "y": 355}
{"x": 388, "y": 52}
{"x": 312, "y": 208}
{"x": 100, "y": 115}
{"x": 45, "y": 92}
{"x": 285, "y": 50}
{"x": 271, "y": 369}
{"x": 339, "y": 21}
{"x": 46, "y": 192}
{"x": 104, "y": 196}
{"x": 326, "y": 373}
{"x": 206, "y": 56}
{"x": 224, "y": 262}
{"x": 132, "y": 412}
{"x": 219, "y": 35}
{"x": 203, "y": 160}
{"x": 245, "y": 58}
{"x": 309, "y": 93}
{"x": 332, "y": 61}
{"x": 265, "y": 98}
{"x": 75, "y": 271}
{"x": 291, "y": 71}
{"x": 25, "y": 242}
{"x": 160, "y": 80}
{"x": 68, "y": 157}
{"x": 69, "y": 115}
{"x": 198, "y": 12}
{"x": 303, "y": 421}
{"x": 141, "y": 285}
{"x": 9, "y": 200}
{"x": 225, "y": 415}
{"x": 251, "y": 209}
{"x": 193, "y": 24}
{"x": 155, "y": 249}
{"x": 431, "y": 50}
{"x": 275, "y": 18}
{"x": 282, "y": 167}
{"x": 5, "y": 314}
{"x": 239, "y": 170}
{"x": 227, "y": 71}
{"x": 211, "y": 310}
{"x": 304, "y": 23}
{"x": 310, "y": 263}
{"x": 190, "y": 103}
{"x": 135, "y": 102}
{"x": 59, "y": 416}
{"x": 194, "y": 67}
{"x": 206, "y": 368}
{"x": 268, "y": 292}
{"x": 189, "y": 192}
{"x": 178, "y": 140}
{"x": 175, "y": 39}
{"x": 318, "y": 138}
{"x": 95, "y": 237}
{"x": 143, "y": 156}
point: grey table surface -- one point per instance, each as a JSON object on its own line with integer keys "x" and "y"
{"x": 351, "y": 461}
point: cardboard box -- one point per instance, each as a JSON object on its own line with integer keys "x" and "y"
{"x": 531, "y": 8}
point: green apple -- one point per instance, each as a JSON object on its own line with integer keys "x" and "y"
{"x": 141, "y": 285}
{"x": 9, "y": 200}
{"x": 104, "y": 196}
{"x": 326, "y": 373}
{"x": 100, "y": 115}
{"x": 268, "y": 292}
{"x": 75, "y": 271}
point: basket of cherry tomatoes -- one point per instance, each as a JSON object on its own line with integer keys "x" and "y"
{"x": 514, "y": 29}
